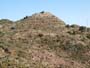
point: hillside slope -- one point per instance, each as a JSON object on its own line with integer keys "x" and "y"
{"x": 43, "y": 41}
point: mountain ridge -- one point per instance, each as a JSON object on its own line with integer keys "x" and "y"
{"x": 43, "y": 42}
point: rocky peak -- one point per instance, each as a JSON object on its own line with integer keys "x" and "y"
{"x": 43, "y": 14}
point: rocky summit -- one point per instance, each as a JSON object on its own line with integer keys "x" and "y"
{"x": 43, "y": 41}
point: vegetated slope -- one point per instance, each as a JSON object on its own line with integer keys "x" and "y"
{"x": 43, "y": 41}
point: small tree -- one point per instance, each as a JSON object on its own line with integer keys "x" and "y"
{"x": 42, "y": 12}
{"x": 82, "y": 28}
{"x": 26, "y": 17}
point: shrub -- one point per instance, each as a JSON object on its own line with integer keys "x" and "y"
{"x": 88, "y": 29}
{"x": 71, "y": 32}
{"x": 88, "y": 36}
{"x": 42, "y": 12}
{"x": 82, "y": 28}
{"x": 40, "y": 35}
{"x": 13, "y": 28}
{"x": 74, "y": 26}
{"x": 3, "y": 21}
{"x": 2, "y": 33}
{"x": 68, "y": 26}
{"x": 25, "y": 17}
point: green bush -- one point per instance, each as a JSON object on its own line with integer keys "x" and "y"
{"x": 88, "y": 36}
{"x": 42, "y": 12}
{"x": 82, "y": 28}
{"x": 3, "y": 21}
{"x": 68, "y": 26}
{"x": 74, "y": 26}
{"x": 2, "y": 33}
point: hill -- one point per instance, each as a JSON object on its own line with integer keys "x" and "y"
{"x": 43, "y": 41}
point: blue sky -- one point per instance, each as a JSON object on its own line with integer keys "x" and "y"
{"x": 71, "y": 11}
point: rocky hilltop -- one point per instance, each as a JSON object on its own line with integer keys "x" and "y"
{"x": 43, "y": 41}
